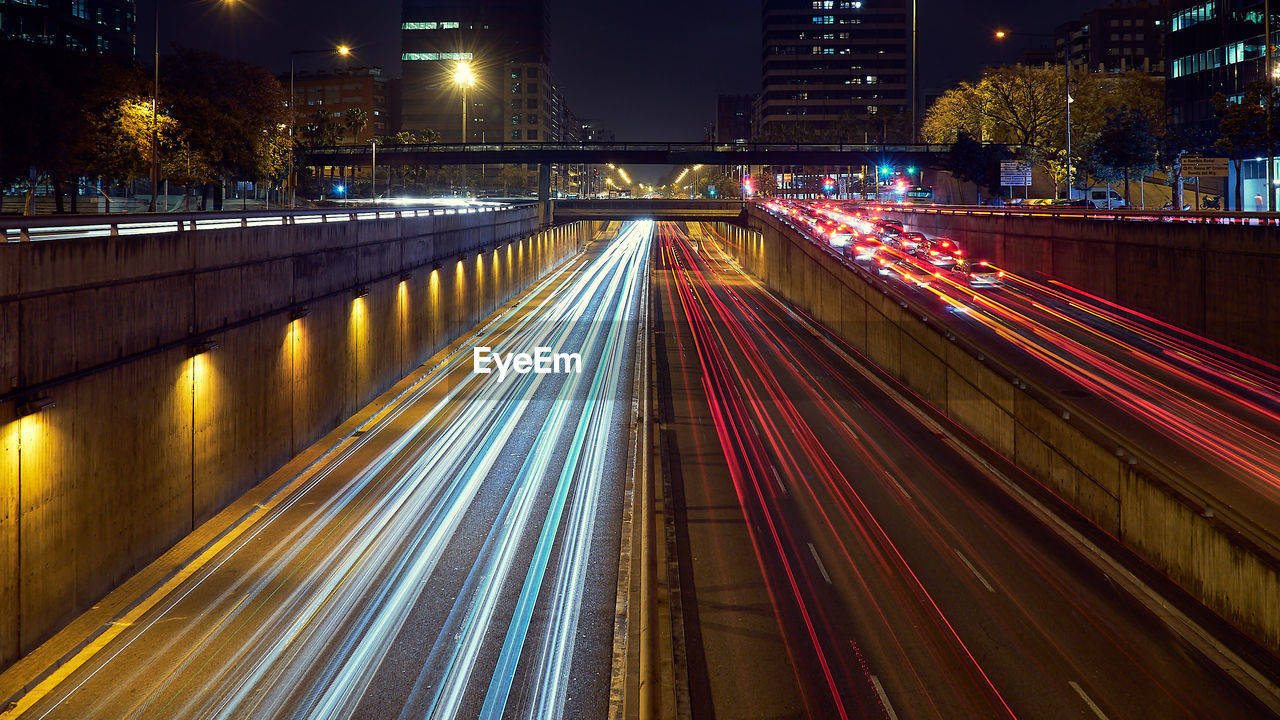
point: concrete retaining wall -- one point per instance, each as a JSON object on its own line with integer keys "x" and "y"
{"x": 1228, "y": 571}
{"x": 145, "y": 441}
{"x": 1215, "y": 280}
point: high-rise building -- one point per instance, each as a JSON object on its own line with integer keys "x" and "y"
{"x": 824, "y": 59}
{"x": 341, "y": 91}
{"x": 734, "y": 114}
{"x": 1218, "y": 47}
{"x": 1125, "y": 35}
{"x": 493, "y": 37}
{"x": 105, "y": 27}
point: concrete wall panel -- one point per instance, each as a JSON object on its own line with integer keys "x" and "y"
{"x": 134, "y": 455}
{"x": 1203, "y": 552}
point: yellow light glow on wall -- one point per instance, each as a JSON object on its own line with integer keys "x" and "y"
{"x": 358, "y": 329}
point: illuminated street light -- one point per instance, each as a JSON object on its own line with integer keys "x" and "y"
{"x": 155, "y": 103}
{"x": 464, "y": 78}
{"x": 343, "y": 50}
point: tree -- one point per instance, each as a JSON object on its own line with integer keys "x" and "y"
{"x": 978, "y": 163}
{"x": 766, "y": 184}
{"x": 234, "y": 114}
{"x": 49, "y": 137}
{"x": 1125, "y": 145}
{"x": 122, "y": 140}
{"x": 1023, "y": 104}
{"x": 1243, "y": 126}
{"x": 956, "y": 111}
{"x": 357, "y": 121}
{"x": 514, "y": 176}
{"x": 1025, "y": 107}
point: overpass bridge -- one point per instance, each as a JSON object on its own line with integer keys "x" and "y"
{"x": 622, "y": 153}
{"x": 568, "y": 211}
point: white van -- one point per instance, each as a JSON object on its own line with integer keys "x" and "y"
{"x": 1100, "y": 196}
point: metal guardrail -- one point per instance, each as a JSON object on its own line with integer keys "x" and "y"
{"x": 60, "y": 227}
{"x": 1138, "y": 215}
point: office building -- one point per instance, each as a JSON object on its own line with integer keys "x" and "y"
{"x": 495, "y": 38}
{"x": 1123, "y": 36}
{"x": 734, "y": 114}
{"x": 1217, "y": 47}
{"x": 822, "y": 59}
{"x": 104, "y": 27}
{"x": 340, "y": 91}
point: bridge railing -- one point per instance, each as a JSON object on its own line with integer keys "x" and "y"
{"x": 57, "y": 227}
{"x": 1134, "y": 214}
{"x": 554, "y": 147}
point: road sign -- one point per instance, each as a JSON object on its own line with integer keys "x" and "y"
{"x": 1015, "y": 174}
{"x": 1199, "y": 167}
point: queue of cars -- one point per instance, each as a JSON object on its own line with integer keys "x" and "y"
{"x": 888, "y": 247}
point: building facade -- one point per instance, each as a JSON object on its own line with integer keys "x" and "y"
{"x": 104, "y": 27}
{"x": 1218, "y": 47}
{"x": 734, "y": 115}
{"x": 824, "y": 59}
{"x": 1126, "y": 35}
{"x": 495, "y": 38}
{"x": 341, "y": 91}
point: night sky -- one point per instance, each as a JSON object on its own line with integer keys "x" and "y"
{"x": 650, "y": 69}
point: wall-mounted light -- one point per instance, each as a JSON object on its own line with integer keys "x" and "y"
{"x": 406, "y": 277}
{"x": 299, "y": 313}
{"x": 34, "y": 405}
{"x": 201, "y": 348}
{"x": 362, "y": 292}
{"x": 437, "y": 267}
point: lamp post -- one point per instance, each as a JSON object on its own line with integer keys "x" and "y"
{"x": 342, "y": 50}
{"x": 465, "y": 79}
{"x": 155, "y": 106}
{"x": 1066, "y": 76}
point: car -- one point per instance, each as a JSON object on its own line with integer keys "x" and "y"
{"x": 979, "y": 273}
{"x": 896, "y": 224}
{"x": 912, "y": 240}
{"x": 908, "y": 271}
{"x": 940, "y": 252}
{"x": 864, "y": 249}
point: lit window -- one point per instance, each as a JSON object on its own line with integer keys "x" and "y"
{"x": 419, "y": 26}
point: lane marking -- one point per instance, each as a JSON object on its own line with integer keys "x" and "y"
{"x": 852, "y": 434}
{"x": 1092, "y": 706}
{"x": 778, "y": 479}
{"x": 821, "y": 568}
{"x": 898, "y": 485}
{"x": 884, "y": 699}
{"x": 974, "y": 570}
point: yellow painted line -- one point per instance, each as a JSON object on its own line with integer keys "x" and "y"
{"x": 117, "y": 626}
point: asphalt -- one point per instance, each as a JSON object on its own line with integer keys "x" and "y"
{"x": 849, "y": 561}
{"x": 456, "y": 557}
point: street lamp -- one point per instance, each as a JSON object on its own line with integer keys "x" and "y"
{"x": 155, "y": 102}
{"x": 342, "y": 50}
{"x": 465, "y": 79}
{"x": 1066, "y": 75}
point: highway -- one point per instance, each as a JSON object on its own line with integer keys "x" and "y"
{"x": 455, "y": 557}
{"x": 1188, "y": 404}
{"x": 843, "y": 557}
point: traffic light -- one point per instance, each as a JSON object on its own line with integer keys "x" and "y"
{"x": 901, "y": 187}
{"x": 911, "y": 171}
{"x": 828, "y": 185}
{"x": 711, "y": 190}
{"x": 886, "y": 170}
{"x": 748, "y": 187}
